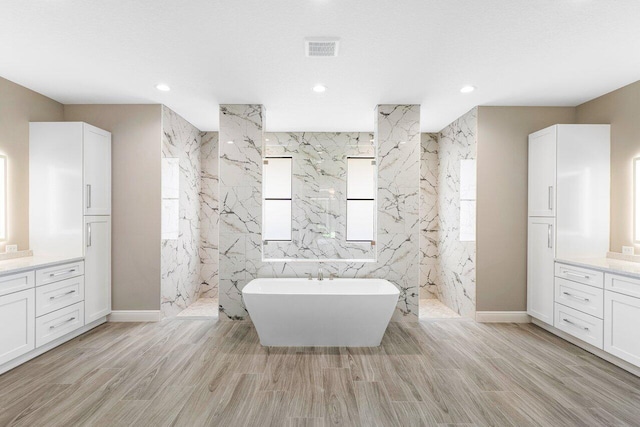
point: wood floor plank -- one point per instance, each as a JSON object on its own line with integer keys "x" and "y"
{"x": 413, "y": 414}
{"x": 374, "y": 405}
{"x": 341, "y": 407}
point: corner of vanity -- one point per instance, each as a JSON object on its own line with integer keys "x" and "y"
{"x": 597, "y": 307}
{"x": 42, "y": 305}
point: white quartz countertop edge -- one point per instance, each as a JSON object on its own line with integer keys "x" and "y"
{"x": 19, "y": 265}
{"x": 607, "y": 265}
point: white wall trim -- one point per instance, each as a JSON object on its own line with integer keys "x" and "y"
{"x": 502, "y": 317}
{"x": 134, "y": 316}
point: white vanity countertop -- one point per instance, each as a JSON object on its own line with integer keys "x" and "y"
{"x": 610, "y": 265}
{"x": 18, "y": 265}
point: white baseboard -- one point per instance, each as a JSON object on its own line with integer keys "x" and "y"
{"x": 502, "y": 317}
{"x": 134, "y": 316}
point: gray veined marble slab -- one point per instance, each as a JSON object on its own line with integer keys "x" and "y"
{"x": 456, "y": 258}
{"x": 180, "y": 258}
{"x": 319, "y": 185}
{"x": 429, "y": 221}
{"x": 209, "y": 215}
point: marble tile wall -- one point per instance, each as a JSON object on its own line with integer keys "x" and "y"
{"x": 398, "y": 155}
{"x": 429, "y": 220}
{"x": 457, "y": 283}
{"x": 180, "y": 259}
{"x": 240, "y": 151}
{"x": 209, "y": 215}
{"x": 319, "y": 186}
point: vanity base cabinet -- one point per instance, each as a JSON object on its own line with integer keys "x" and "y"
{"x": 17, "y": 317}
{"x": 622, "y": 326}
{"x": 602, "y": 310}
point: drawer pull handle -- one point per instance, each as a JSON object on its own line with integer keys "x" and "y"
{"x": 57, "y": 325}
{"x": 62, "y": 295}
{"x": 571, "y": 273}
{"x": 62, "y": 273}
{"x": 576, "y": 297}
{"x": 575, "y": 324}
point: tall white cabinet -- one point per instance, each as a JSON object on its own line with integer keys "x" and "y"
{"x": 569, "y": 182}
{"x": 70, "y": 203}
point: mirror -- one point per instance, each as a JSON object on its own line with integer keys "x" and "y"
{"x": 636, "y": 199}
{"x": 3, "y": 197}
{"x": 319, "y": 197}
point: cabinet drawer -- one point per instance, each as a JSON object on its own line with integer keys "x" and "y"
{"x": 622, "y": 284}
{"x": 16, "y": 282}
{"x": 583, "y": 326}
{"x": 55, "y": 296}
{"x": 621, "y": 331}
{"x": 584, "y": 298}
{"x": 59, "y": 323}
{"x": 580, "y": 275}
{"x": 59, "y": 272}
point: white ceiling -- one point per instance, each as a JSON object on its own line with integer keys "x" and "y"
{"x": 517, "y": 52}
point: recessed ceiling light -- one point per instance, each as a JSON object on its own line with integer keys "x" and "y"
{"x": 467, "y": 89}
{"x": 319, "y": 88}
{"x": 163, "y": 87}
{"x": 229, "y": 142}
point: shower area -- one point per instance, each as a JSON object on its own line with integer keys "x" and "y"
{"x": 191, "y": 220}
{"x": 448, "y": 220}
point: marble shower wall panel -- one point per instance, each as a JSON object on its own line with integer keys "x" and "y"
{"x": 429, "y": 267}
{"x": 180, "y": 259}
{"x": 398, "y": 142}
{"x": 457, "y": 288}
{"x": 209, "y": 216}
{"x": 240, "y": 152}
{"x": 319, "y": 188}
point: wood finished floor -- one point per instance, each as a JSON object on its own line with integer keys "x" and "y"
{"x": 199, "y": 372}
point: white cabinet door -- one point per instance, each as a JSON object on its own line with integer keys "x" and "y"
{"x": 542, "y": 172}
{"x": 621, "y": 332}
{"x": 97, "y": 267}
{"x": 97, "y": 171}
{"x": 540, "y": 268}
{"x": 17, "y": 317}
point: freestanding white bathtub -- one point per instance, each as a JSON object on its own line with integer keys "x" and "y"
{"x": 339, "y": 312}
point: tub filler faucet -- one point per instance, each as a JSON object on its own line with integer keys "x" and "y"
{"x": 320, "y": 275}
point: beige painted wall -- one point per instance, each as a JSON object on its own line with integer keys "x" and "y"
{"x": 18, "y": 107}
{"x": 621, "y": 109}
{"x": 502, "y": 163}
{"x": 136, "y": 143}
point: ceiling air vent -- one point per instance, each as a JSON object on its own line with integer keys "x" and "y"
{"x": 321, "y": 47}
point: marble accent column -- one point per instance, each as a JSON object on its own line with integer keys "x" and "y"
{"x": 209, "y": 215}
{"x": 180, "y": 258}
{"x": 398, "y": 141}
{"x": 240, "y": 148}
{"x": 429, "y": 222}
{"x": 457, "y": 259}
